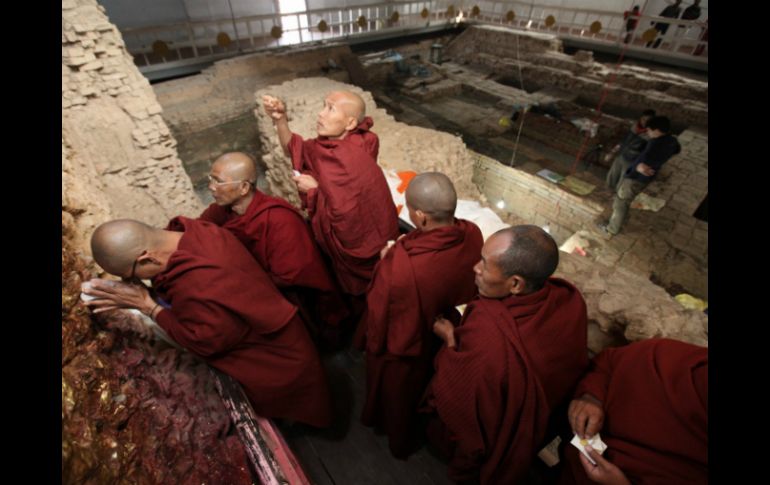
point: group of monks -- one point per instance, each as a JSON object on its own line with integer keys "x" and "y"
{"x": 252, "y": 287}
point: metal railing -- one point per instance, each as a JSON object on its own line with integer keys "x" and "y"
{"x": 683, "y": 37}
{"x": 218, "y": 38}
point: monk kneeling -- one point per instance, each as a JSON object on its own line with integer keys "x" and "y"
{"x": 517, "y": 354}
{"x": 277, "y": 236}
{"x": 215, "y": 300}
{"x": 424, "y": 275}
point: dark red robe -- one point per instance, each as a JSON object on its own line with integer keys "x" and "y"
{"x": 279, "y": 239}
{"x": 515, "y": 360}
{"x": 351, "y": 212}
{"x": 426, "y": 274}
{"x": 655, "y": 397}
{"x": 225, "y": 309}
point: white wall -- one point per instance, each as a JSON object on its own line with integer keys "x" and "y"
{"x": 313, "y": 4}
{"x": 139, "y": 13}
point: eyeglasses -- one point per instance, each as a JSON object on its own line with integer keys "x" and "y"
{"x": 217, "y": 183}
{"x": 133, "y": 278}
{"x": 133, "y": 267}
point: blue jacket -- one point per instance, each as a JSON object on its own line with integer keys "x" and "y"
{"x": 633, "y": 145}
{"x": 655, "y": 154}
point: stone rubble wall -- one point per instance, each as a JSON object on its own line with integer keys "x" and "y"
{"x": 225, "y": 90}
{"x": 118, "y": 155}
{"x": 624, "y": 306}
{"x": 402, "y": 147}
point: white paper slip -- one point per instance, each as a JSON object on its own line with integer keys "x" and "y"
{"x": 83, "y": 288}
{"x": 595, "y": 441}
{"x": 296, "y": 173}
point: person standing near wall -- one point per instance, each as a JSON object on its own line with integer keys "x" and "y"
{"x": 632, "y": 19}
{"x": 690, "y": 13}
{"x": 661, "y": 147}
{"x": 672, "y": 12}
{"x": 704, "y": 39}
{"x": 628, "y": 149}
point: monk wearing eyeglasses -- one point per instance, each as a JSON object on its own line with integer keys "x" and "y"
{"x": 277, "y": 236}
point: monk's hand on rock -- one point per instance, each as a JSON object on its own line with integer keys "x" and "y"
{"x": 445, "y": 331}
{"x": 603, "y": 472}
{"x": 305, "y": 182}
{"x": 111, "y": 295}
{"x": 274, "y": 107}
{"x": 586, "y": 416}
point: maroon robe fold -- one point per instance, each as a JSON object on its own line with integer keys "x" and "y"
{"x": 655, "y": 399}
{"x": 225, "y": 309}
{"x": 279, "y": 239}
{"x": 351, "y": 212}
{"x": 426, "y": 274}
{"x": 515, "y": 360}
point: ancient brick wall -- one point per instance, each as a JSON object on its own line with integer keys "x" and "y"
{"x": 534, "y": 199}
{"x": 118, "y": 155}
{"x": 634, "y": 89}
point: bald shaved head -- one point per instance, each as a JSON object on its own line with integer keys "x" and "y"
{"x": 531, "y": 253}
{"x": 351, "y": 103}
{"x": 117, "y": 244}
{"x": 237, "y": 166}
{"x": 434, "y": 194}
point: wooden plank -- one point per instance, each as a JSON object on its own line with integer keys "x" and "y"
{"x": 309, "y": 459}
{"x": 273, "y": 460}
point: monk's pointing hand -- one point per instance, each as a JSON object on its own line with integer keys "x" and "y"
{"x": 274, "y": 107}
{"x": 586, "y": 416}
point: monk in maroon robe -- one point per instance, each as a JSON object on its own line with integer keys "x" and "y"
{"x": 518, "y": 353}
{"x": 277, "y": 236}
{"x": 215, "y": 300}
{"x": 344, "y": 190}
{"x": 424, "y": 275}
{"x": 649, "y": 401}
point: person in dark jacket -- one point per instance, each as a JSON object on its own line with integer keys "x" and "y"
{"x": 661, "y": 147}
{"x": 628, "y": 149}
{"x": 672, "y": 12}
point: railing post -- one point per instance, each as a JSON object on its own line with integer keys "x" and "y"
{"x": 235, "y": 28}
{"x": 191, "y": 38}
{"x": 531, "y": 8}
